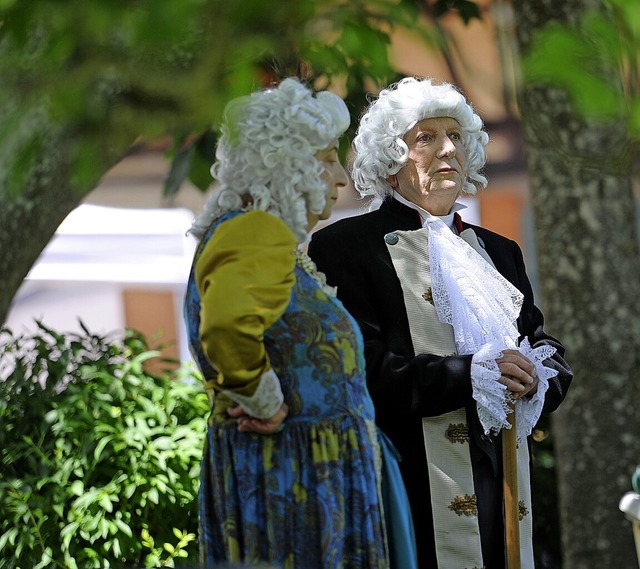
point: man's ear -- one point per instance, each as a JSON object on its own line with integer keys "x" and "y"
{"x": 393, "y": 180}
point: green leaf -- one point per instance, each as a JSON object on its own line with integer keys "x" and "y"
{"x": 130, "y": 490}
{"x": 178, "y": 171}
{"x": 146, "y": 537}
{"x": 574, "y": 61}
{"x": 77, "y": 488}
{"x": 202, "y": 159}
{"x": 67, "y": 533}
{"x": 102, "y": 443}
{"x": 468, "y": 10}
{"x": 117, "y": 550}
{"x": 46, "y": 559}
{"x": 8, "y": 536}
{"x": 152, "y": 560}
{"x": 123, "y": 527}
{"x": 153, "y": 495}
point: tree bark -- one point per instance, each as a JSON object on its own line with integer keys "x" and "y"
{"x": 589, "y": 266}
{"x": 30, "y": 214}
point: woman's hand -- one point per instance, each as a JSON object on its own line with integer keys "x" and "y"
{"x": 518, "y": 374}
{"x": 249, "y": 424}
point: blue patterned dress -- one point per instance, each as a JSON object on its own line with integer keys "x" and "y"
{"x": 309, "y": 496}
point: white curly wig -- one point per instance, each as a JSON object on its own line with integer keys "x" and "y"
{"x": 266, "y": 154}
{"x": 380, "y": 150}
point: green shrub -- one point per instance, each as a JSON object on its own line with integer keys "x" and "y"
{"x": 99, "y": 459}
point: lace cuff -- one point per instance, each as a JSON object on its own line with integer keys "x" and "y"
{"x": 266, "y": 401}
{"x": 492, "y": 398}
{"x": 490, "y": 395}
{"x": 530, "y": 408}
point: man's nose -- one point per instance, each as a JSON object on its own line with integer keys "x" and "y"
{"x": 447, "y": 147}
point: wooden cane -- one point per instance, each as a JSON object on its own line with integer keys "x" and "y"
{"x": 511, "y": 508}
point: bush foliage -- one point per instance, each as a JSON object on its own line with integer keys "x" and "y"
{"x": 99, "y": 459}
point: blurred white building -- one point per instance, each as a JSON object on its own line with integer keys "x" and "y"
{"x": 112, "y": 268}
{"x": 115, "y": 268}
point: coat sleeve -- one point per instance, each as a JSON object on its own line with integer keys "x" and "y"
{"x": 531, "y": 326}
{"x": 245, "y": 276}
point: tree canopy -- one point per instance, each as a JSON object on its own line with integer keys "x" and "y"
{"x": 83, "y": 82}
{"x": 110, "y": 75}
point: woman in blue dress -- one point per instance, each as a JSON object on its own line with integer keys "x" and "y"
{"x": 292, "y": 470}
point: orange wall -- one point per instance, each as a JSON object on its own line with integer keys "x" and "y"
{"x": 152, "y": 313}
{"x": 501, "y": 211}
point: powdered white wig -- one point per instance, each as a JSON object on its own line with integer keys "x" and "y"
{"x": 380, "y": 150}
{"x": 266, "y": 154}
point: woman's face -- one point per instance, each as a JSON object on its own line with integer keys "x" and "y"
{"x": 434, "y": 173}
{"x": 335, "y": 176}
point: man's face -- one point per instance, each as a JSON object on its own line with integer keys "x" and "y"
{"x": 434, "y": 173}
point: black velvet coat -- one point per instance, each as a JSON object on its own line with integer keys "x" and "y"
{"x": 406, "y": 387}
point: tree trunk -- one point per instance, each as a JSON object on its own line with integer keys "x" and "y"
{"x": 589, "y": 265}
{"x": 30, "y": 214}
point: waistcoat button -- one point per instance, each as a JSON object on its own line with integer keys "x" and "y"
{"x": 391, "y": 238}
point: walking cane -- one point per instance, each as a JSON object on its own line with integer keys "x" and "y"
{"x": 511, "y": 508}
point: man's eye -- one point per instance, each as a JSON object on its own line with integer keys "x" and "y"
{"x": 455, "y": 136}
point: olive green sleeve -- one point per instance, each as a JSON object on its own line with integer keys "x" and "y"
{"x": 245, "y": 276}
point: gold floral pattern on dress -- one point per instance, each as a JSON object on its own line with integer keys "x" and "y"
{"x": 457, "y": 433}
{"x": 522, "y": 510}
{"x": 465, "y": 505}
{"x": 428, "y": 295}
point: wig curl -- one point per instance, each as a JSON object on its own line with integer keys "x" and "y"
{"x": 380, "y": 150}
{"x": 266, "y": 154}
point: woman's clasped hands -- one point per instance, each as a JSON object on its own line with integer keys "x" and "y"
{"x": 249, "y": 424}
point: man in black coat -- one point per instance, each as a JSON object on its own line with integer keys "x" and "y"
{"x": 448, "y": 318}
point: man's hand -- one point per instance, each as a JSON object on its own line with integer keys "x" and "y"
{"x": 249, "y": 424}
{"x": 518, "y": 373}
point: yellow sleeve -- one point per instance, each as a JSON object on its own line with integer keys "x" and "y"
{"x": 244, "y": 276}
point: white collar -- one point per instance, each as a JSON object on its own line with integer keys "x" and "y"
{"x": 425, "y": 216}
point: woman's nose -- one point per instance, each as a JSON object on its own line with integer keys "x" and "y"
{"x": 448, "y": 148}
{"x": 342, "y": 179}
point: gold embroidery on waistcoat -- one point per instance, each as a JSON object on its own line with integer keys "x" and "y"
{"x": 522, "y": 510}
{"x": 465, "y": 505}
{"x": 428, "y": 295}
{"x": 457, "y": 433}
